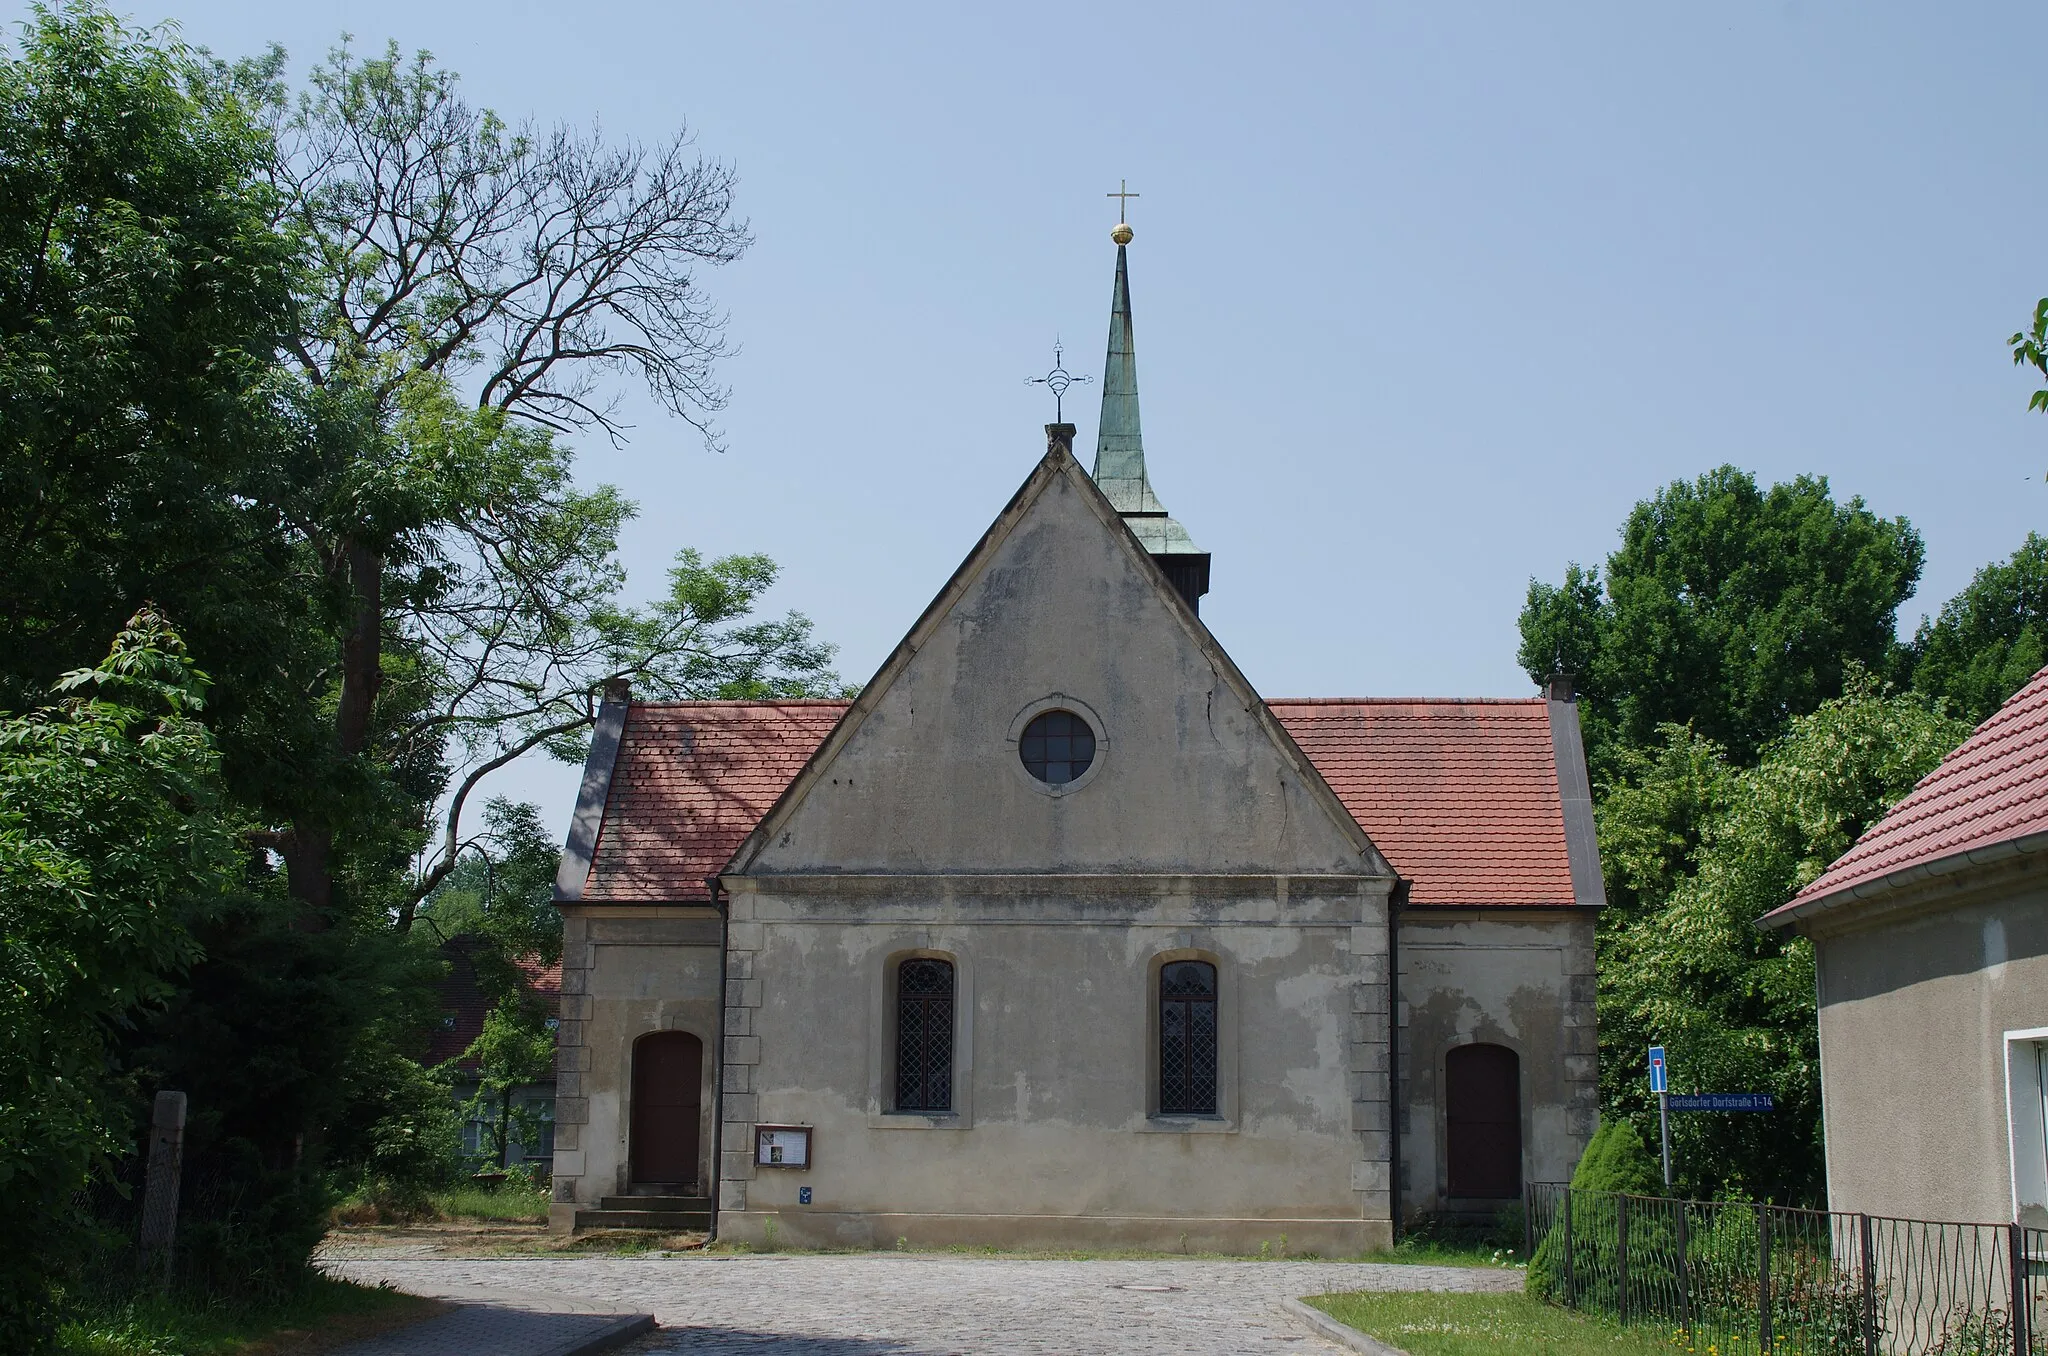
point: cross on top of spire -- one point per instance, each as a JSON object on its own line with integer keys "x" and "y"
{"x": 1122, "y": 233}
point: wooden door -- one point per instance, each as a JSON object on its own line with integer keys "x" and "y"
{"x": 1483, "y": 1112}
{"x": 668, "y": 1104}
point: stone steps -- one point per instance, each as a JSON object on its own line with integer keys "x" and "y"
{"x": 667, "y": 1214}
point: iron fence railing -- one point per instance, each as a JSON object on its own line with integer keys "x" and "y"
{"x": 1736, "y": 1278}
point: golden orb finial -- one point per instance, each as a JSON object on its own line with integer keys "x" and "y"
{"x": 1122, "y": 234}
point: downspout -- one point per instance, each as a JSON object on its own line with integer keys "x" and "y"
{"x": 718, "y": 1088}
{"x": 1395, "y": 899}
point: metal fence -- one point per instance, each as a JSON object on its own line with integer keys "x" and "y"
{"x": 1734, "y": 1278}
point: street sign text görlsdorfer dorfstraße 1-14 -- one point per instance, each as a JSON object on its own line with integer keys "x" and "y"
{"x": 1722, "y": 1101}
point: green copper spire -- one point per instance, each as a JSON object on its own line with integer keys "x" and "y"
{"x": 1119, "y": 442}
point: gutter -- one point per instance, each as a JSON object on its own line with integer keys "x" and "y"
{"x": 1395, "y": 900}
{"x": 1991, "y": 853}
{"x": 723, "y": 905}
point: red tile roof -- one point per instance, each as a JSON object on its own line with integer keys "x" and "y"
{"x": 462, "y": 1003}
{"x": 1461, "y": 796}
{"x": 1992, "y": 789}
{"x": 691, "y": 781}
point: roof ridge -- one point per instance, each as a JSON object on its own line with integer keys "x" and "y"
{"x": 1405, "y": 701}
{"x": 736, "y": 703}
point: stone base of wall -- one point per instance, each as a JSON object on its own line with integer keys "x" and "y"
{"x": 1245, "y": 1237}
{"x": 562, "y": 1216}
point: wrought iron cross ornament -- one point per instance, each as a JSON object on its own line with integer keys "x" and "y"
{"x": 1057, "y": 381}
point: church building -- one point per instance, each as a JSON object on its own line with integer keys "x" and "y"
{"x": 1061, "y": 935}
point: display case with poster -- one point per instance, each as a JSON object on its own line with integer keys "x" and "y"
{"x": 782, "y": 1146}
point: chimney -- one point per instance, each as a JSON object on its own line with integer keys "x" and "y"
{"x": 618, "y": 690}
{"x": 1559, "y": 687}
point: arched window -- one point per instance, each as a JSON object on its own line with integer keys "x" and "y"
{"x": 1483, "y": 1122}
{"x": 924, "y": 1035}
{"x": 1187, "y": 1039}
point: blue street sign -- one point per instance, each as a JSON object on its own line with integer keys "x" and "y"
{"x": 1658, "y": 1080}
{"x": 1723, "y": 1101}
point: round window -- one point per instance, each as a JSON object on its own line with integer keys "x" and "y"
{"x": 1057, "y": 747}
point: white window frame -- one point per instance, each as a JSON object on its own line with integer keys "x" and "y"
{"x": 2026, "y": 1121}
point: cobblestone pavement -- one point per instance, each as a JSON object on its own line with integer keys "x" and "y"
{"x": 920, "y": 1304}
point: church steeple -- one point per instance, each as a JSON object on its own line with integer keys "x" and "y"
{"x": 1120, "y": 447}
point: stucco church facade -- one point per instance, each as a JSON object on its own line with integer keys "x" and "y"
{"x": 1061, "y": 935}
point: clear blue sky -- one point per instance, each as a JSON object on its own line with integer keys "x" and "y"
{"x": 1426, "y": 296}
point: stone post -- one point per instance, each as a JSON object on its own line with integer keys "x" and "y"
{"x": 160, "y": 1188}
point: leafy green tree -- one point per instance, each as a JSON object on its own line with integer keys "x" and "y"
{"x": 516, "y": 627}
{"x": 2030, "y": 349}
{"x": 304, "y": 367}
{"x": 113, "y": 838}
{"x": 1653, "y": 816}
{"x": 143, "y": 295}
{"x": 502, "y": 894}
{"x": 1727, "y": 608}
{"x": 445, "y": 251}
{"x": 1990, "y": 638}
{"x": 515, "y": 1049}
{"x": 150, "y": 437}
{"x": 1685, "y": 965}
{"x": 285, "y": 1038}
{"x": 405, "y": 1143}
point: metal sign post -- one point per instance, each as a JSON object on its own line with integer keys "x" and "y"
{"x": 1660, "y": 1083}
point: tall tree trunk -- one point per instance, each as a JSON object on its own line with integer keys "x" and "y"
{"x": 308, "y": 852}
{"x": 362, "y": 649}
{"x": 308, "y": 849}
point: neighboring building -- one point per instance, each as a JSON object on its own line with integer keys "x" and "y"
{"x": 1931, "y": 946}
{"x": 463, "y": 1008}
{"x": 1061, "y": 935}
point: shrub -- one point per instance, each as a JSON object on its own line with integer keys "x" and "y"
{"x": 1614, "y": 1162}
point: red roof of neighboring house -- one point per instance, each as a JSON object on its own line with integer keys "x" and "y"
{"x": 463, "y": 1005}
{"x": 1461, "y": 796}
{"x": 1992, "y": 789}
{"x": 544, "y": 980}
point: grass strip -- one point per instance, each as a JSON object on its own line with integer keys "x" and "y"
{"x": 323, "y": 1313}
{"x": 512, "y": 1202}
{"x": 1433, "y": 1324}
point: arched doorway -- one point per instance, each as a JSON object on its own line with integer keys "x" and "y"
{"x": 668, "y": 1104}
{"x": 1483, "y": 1116}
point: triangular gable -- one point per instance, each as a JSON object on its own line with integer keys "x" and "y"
{"x": 1058, "y": 603}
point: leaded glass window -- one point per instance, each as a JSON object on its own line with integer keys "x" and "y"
{"x": 1187, "y": 1039}
{"x": 1057, "y": 747}
{"x": 924, "y": 1035}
